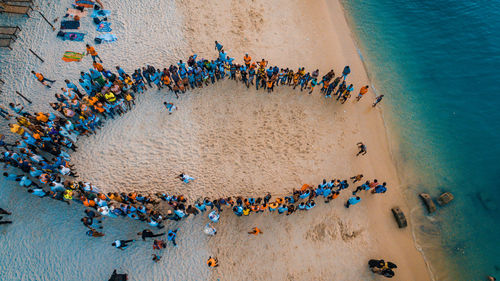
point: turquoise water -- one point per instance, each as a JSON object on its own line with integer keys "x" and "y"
{"x": 437, "y": 63}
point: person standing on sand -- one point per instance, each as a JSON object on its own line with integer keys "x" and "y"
{"x": 346, "y": 72}
{"x": 256, "y": 231}
{"x": 92, "y": 52}
{"x": 362, "y": 92}
{"x": 218, "y": 46}
{"x": 365, "y": 186}
{"x": 381, "y": 188}
{"x": 247, "y": 59}
{"x": 172, "y": 234}
{"x": 362, "y": 148}
{"x": 377, "y": 100}
{"x": 352, "y": 201}
{"x": 156, "y": 258}
{"x": 42, "y": 79}
{"x": 212, "y": 262}
{"x": 170, "y": 107}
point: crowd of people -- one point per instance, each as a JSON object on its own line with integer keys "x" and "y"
{"x": 39, "y": 159}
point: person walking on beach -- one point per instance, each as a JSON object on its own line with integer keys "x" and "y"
{"x": 356, "y": 178}
{"x": 146, "y": 233}
{"x": 170, "y": 107}
{"x": 212, "y": 262}
{"x": 352, "y": 201}
{"x": 377, "y": 100}
{"x": 365, "y": 186}
{"x": 346, "y": 72}
{"x": 362, "y": 148}
{"x": 172, "y": 234}
{"x": 92, "y": 52}
{"x": 256, "y": 231}
{"x": 362, "y": 92}
{"x": 121, "y": 244}
{"x": 42, "y": 79}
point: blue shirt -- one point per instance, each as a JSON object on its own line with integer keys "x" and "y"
{"x": 354, "y": 200}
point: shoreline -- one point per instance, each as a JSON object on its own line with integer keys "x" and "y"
{"x": 392, "y": 143}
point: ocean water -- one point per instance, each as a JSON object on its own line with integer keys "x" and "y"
{"x": 437, "y": 63}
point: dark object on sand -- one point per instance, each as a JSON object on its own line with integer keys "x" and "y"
{"x": 431, "y": 207}
{"x": 382, "y": 267}
{"x": 445, "y": 198}
{"x": 400, "y": 217}
{"x": 118, "y": 277}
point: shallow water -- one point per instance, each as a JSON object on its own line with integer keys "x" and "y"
{"x": 436, "y": 62}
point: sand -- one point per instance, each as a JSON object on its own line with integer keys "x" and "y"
{"x": 336, "y": 243}
{"x": 239, "y": 141}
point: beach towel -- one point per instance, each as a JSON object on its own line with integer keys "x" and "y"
{"x": 72, "y": 56}
{"x": 100, "y": 13}
{"x": 104, "y": 26}
{"x": 70, "y": 24}
{"x": 76, "y": 12}
{"x": 85, "y": 3}
{"x": 71, "y": 36}
{"x": 105, "y": 38}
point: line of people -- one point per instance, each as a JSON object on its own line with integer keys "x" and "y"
{"x": 45, "y": 138}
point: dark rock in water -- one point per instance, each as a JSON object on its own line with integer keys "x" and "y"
{"x": 445, "y": 198}
{"x": 400, "y": 217}
{"x": 431, "y": 207}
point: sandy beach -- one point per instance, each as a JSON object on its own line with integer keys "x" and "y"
{"x": 238, "y": 141}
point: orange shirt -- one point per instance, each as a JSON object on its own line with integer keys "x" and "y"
{"x": 98, "y": 66}
{"x": 256, "y": 231}
{"x": 363, "y": 90}
{"x": 42, "y": 117}
{"x": 247, "y": 59}
{"x": 39, "y": 76}
{"x": 99, "y": 108}
{"x": 91, "y": 51}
